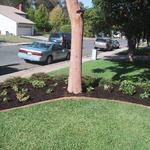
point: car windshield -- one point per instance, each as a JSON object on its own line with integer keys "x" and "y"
{"x": 40, "y": 45}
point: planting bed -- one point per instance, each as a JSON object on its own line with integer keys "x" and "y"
{"x": 18, "y": 92}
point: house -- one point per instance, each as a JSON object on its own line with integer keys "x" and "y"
{"x": 14, "y": 22}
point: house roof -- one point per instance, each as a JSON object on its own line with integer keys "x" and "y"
{"x": 14, "y": 14}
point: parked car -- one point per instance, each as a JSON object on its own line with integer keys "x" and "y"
{"x": 115, "y": 44}
{"x": 41, "y": 51}
{"x": 62, "y": 38}
{"x": 103, "y": 44}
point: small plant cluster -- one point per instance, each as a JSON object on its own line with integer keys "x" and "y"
{"x": 108, "y": 85}
{"x": 22, "y": 87}
{"x": 90, "y": 83}
{"x": 146, "y": 93}
{"x": 4, "y": 95}
{"x": 127, "y": 87}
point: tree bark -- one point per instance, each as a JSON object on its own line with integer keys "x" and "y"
{"x": 132, "y": 47}
{"x": 75, "y": 72}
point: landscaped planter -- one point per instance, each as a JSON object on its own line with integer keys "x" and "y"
{"x": 19, "y": 92}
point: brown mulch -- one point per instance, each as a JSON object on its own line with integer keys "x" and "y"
{"x": 39, "y": 95}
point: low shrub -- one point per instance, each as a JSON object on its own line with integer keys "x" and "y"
{"x": 40, "y": 76}
{"x": 49, "y": 91}
{"x": 38, "y": 83}
{"x": 18, "y": 81}
{"x": 127, "y": 87}
{"x": 144, "y": 95}
{"x": 4, "y": 95}
{"x": 146, "y": 86}
{"x": 108, "y": 85}
{"x": 90, "y": 83}
{"x": 22, "y": 95}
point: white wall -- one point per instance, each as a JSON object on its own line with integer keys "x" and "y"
{"x": 7, "y": 24}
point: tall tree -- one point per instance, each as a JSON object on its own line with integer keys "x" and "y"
{"x": 75, "y": 73}
{"x": 57, "y": 18}
{"x": 127, "y": 15}
{"x": 41, "y": 18}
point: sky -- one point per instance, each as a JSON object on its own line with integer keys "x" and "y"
{"x": 87, "y": 3}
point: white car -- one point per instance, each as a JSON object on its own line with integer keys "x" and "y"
{"x": 103, "y": 44}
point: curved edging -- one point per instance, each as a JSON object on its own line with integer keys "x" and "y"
{"x": 72, "y": 98}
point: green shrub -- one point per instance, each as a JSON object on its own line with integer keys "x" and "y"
{"x": 146, "y": 86}
{"x": 49, "y": 91}
{"x": 90, "y": 83}
{"x": 40, "y": 76}
{"x": 38, "y": 83}
{"x": 4, "y": 92}
{"x": 108, "y": 85}
{"x": 14, "y": 81}
{"x": 127, "y": 87}
{"x": 144, "y": 95}
{"x": 4, "y": 95}
{"x": 15, "y": 88}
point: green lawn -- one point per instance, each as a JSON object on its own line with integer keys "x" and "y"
{"x": 14, "y": 39}
{"x": 112, "y": 70}
{"x": 76, "y": 125}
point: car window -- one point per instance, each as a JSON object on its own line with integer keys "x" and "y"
{"x": 57, "y": 47}
{"x": 40, "y": 45}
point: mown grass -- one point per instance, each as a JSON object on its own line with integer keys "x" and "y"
{"x": 14, "y": 39}
{"x": 76, "y": 125}
{"x": 113, "y": 70}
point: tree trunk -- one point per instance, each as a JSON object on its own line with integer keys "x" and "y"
{"x": 132, "y": 47}
{"x": 75, "y": 72}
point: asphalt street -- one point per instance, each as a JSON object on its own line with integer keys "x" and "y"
{"x": 9, "y": 61}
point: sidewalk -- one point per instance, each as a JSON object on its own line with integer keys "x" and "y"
{"x": 55, "y": 66}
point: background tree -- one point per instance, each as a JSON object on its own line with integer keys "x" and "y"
{"x": 127, "y": 16}
{"x": 57, "y": 18}
{"x": 75, "y": 72}
{"x": 31, "y": 14}
{"x": 41, "y": 18}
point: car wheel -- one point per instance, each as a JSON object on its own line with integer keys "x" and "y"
{"x": 49, "y": 60}
{"x": 68, "y": 56}
{"x": 27, "y": 61}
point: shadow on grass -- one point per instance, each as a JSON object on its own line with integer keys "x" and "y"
{"x": 145, "y": 51}
{"x": 135, "y": 71}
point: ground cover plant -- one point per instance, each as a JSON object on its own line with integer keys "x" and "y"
{"x": 80, "y": 124}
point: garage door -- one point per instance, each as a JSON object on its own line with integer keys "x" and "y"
{"x": 25, "y": 30}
